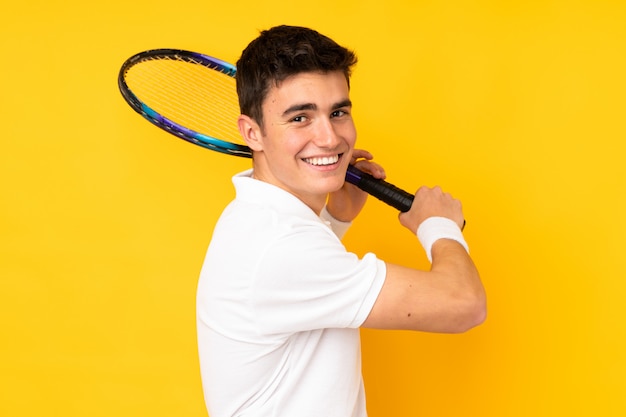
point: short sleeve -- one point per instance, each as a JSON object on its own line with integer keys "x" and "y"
{"x": 307, "y": 280}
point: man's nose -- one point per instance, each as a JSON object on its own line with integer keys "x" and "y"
{"x": 326, "y": 135}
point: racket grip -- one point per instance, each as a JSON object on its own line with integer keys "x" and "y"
{"x": 382, "y": 190}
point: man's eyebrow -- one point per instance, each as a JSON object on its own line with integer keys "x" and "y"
{"x": 344, "y": 103}
{"x": 311, "y": 106}
{"x": 299, "y": 107}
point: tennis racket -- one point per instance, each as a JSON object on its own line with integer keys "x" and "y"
{"x": 193, "y": 96}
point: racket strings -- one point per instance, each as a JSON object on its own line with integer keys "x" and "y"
{"x": 198, "y": 97}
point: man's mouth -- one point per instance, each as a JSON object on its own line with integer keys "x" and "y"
{"x": 322, "y": 160}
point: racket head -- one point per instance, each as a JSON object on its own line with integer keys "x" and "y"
{"x": 188, "y": 94}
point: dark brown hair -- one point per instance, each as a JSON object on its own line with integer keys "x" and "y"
{"x": 279, "y": 53}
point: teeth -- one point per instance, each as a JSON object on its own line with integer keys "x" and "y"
{"x": 327, "y": 160}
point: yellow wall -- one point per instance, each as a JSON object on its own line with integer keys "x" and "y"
{"x": 517, "y": 107}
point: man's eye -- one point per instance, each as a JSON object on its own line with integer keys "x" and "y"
{"x": 299, "y": 119}
{"x": 338, "y": 113}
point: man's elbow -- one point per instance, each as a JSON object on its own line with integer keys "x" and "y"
{"x": 472, "y": 313}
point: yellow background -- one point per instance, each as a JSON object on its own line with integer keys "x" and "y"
{"x": 516, "y": 107}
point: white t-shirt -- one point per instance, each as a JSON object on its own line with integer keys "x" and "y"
{"x": 279, "y": 304}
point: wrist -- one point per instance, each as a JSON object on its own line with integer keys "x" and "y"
{"x": 434, "y": 228}
{"x": 338, "y": 212}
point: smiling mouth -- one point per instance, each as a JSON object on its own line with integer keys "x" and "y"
{"x": 322, "y": 161}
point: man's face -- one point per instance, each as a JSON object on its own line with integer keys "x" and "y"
{"x": 308, "y": 136}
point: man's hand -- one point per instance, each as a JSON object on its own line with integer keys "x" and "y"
{"x": 430, "y": 202}
{"x": 346, "y": 203}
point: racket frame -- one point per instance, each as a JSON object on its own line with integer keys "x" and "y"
{"x": 197, "y": 138}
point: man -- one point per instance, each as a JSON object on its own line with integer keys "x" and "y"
{"x": 280, "y": 299}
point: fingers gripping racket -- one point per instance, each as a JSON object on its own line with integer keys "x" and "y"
{"x": 193, "y": 96}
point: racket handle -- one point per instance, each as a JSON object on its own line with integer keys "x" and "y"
{"x": 382, "y": 190}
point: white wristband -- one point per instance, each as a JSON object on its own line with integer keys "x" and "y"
{"x": 340, "y": 228}
{"x": 435, "y": 228}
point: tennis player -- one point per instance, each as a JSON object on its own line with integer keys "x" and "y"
{"x": 280, "y": 300}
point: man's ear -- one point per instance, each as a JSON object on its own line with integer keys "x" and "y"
{"x": 250, "y": 132}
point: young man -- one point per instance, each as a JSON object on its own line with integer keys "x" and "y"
{"x": 280, "y": 299}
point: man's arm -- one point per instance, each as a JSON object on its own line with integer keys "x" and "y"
{"x": 449, "y": 298}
